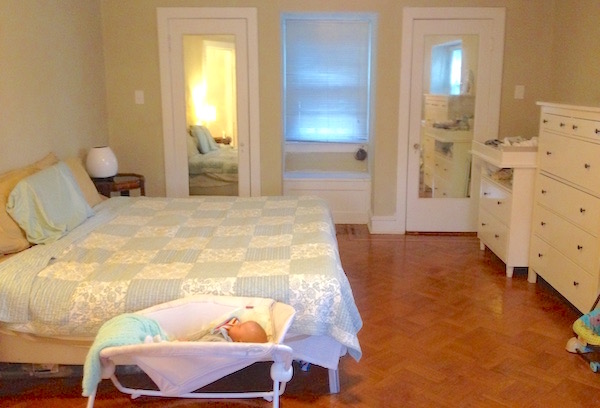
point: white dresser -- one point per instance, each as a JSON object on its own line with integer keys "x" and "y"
{"x": 447, "y": 161}
{"x": 442, "y": 108}
{"x": 565, "y": 242}
{"x": 505, "y": 204}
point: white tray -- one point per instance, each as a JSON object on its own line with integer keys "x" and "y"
{"x": 506, "y": 156}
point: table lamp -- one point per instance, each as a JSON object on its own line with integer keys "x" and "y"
{"x": 101, "y": 162}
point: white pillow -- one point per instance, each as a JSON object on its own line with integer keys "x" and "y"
{"x": 48, "y": 204}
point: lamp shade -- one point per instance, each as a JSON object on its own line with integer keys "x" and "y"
{"x": 101, "y": 162}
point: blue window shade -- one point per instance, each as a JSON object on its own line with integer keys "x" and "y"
{"x": 327, "y": 64}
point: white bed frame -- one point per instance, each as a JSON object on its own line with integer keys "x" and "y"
{"x": 26, "y": 348}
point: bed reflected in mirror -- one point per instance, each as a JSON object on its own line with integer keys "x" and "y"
{"x": 211, "y": 100}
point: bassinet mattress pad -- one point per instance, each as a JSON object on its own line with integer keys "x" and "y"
{"x": 138, "y": 252}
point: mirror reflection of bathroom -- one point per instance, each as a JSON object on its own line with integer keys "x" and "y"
{"x": 450, "y": 72}
{"x": 210, "y": 92}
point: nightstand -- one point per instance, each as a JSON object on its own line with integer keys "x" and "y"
{"x": 223, "y": 140}
{"x": 122, "y": 183}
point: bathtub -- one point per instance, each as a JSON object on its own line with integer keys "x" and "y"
{"x": 339, "y": 179}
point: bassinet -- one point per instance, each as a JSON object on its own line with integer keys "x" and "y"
{"x": 180, "y": 367}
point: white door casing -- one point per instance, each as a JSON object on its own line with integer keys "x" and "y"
{"x": 173, "y": 23}
{"x": 458, "y": 214}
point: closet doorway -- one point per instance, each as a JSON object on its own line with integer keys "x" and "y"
{"x": 230, "y": 33}
{"x": 450, "y": 95}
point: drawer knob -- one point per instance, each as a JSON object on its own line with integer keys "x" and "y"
{"x": 574, "y": 127}
{"x": 575, "y": 283}
{"x": 597, "y": 131}
{"x": 545, "y": 121}
{"x": 544, "y": 191}
{"x": 562, "y": 124}
{"x": 542, "y": 223}
{"x": 579, "y": 247}
{"x": 540, "y": 255}
{"x": 587, "y": 166}
{"x": 548, "y": 153}
{"x": 486, "y": 193}
{"x": 582, "y": 210}
{"x": 499, "y": 202}
{"x": 483, "y": 224}
{"x": 496, "y": 236}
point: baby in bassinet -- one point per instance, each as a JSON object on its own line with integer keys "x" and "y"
{"x": 249, "y": 331}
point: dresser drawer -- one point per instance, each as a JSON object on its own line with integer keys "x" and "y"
{"x": 586, "y": 128}
{"x": 581, "y": 208}
{"x": 495, "y": 199}
{"x": 575, "y": 243}
{"x": 555, "y": 123}
{"x": 443, "y": 165}
{"x": 493, "y": 233}
{"x": 571, "y": 281}
{"x": 571, "y": 159}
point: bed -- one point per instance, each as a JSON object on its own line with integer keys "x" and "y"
{"x": 212, "y": 167}
{"x": 136, "y": 252}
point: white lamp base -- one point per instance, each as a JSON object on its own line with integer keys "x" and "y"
{"x": 101, "y": 162}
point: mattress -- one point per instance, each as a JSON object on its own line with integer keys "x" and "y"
{"x": 138, "y": 252}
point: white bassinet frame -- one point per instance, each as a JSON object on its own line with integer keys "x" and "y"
{"x": 281, "y": 372}
{"x": 18, "y": 347}
{"x": 179, "y": 366}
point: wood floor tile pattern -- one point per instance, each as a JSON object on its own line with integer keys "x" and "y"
{"x": 443, "y": 327}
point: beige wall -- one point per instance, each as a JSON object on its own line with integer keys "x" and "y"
{"x": 52, "y": 94}
{"x": 576, "y": 49}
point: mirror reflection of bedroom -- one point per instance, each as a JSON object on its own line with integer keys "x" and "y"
{"x": 448, "y": 115}
{"x": 210, "y": 92}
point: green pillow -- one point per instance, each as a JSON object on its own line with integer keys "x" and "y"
{"x": 48, "y": 204}
{"x": 206, "y": 143}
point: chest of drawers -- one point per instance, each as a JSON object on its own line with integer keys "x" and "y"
{"x": 565, "y": 241}
{"x": 447, "y": 161}
{"x": 505, "y": 206}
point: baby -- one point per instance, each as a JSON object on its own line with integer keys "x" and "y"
{"x": 234, "y": 330}
{"x": 248, "y": 332}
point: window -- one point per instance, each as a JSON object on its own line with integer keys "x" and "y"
{"x": 327, "y": 77}
{"x": 446, "y": 68}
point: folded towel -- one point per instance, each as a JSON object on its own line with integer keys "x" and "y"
{"x": 121, "y": 330}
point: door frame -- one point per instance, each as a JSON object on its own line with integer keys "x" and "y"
{"x": 486, "y": 130}
{"x": 175, "y": 155}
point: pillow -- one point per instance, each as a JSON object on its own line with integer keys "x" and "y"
{"x": 85, "y": 183}
{"x": 206, "y": 142}
{"x": 48, "y": 204}
{"x": 211, "y": 140}
{"x": 192, "y": 146}
{"x": 12, "y": 238}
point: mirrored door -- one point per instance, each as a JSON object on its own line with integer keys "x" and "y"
{"x": 450, "y": 85}
{"x": 211, "y": 112}
{"x": 447, "y": 121}
{"x": 221, "y": 98}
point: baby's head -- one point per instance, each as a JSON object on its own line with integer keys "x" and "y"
{"x": 248, "y": 332}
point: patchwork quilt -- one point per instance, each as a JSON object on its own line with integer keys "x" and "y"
{"x": 223, "y": 162}
{"x": 137, "y": 252}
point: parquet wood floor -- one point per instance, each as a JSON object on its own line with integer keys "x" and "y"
{"x": 443, "y": 327}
